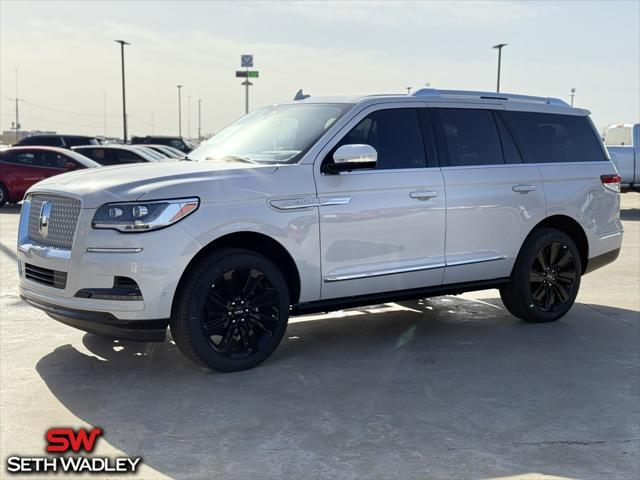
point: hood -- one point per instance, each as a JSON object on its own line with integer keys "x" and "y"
{"x": 155, "y": 180}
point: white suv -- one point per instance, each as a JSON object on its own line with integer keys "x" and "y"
{"x": 324, "y": 204}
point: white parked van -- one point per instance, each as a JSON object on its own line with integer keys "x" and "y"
{"x": 324, "y": 204}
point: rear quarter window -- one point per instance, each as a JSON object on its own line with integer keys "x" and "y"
{"x": 555, "y": 138}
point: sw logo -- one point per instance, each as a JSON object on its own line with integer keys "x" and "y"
{"x": 62, "y": 440}
{"x": 65, "y": 439}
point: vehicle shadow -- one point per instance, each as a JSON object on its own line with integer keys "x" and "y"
{"x": 632, "y": 214}
{"x": 425, "y": 389}
{"x": 10, "y": 208}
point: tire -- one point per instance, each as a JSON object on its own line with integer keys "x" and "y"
{"x": 4, "y": 195}
{"x": 545, "y": 279}
{"x": 232, "y": 310}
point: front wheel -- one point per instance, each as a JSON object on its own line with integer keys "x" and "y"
{"x": 232, "y": 310}
{"x": 545, "y": 278}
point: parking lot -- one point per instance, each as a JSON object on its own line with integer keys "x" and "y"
{"x": 448, "y": 387}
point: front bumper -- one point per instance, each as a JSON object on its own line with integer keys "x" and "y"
{"x": 154, "y": 260}
{"x": 102, "y": 323}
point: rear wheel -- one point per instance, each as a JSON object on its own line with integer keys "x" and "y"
{"x": 545, "y": 278}
{"x": 232, "y": 310}
{"x": 4, "y": 195}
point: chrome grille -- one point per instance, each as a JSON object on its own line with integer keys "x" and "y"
{"x": 62, "y": 222}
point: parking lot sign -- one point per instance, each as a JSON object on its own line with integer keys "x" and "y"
{"x": 246, "y": 61}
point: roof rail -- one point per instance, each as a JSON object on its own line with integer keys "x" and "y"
{"x": 432, "y": 92}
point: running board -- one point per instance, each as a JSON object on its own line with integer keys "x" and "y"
{"x": 332, "y": 304}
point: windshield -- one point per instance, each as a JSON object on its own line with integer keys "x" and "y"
{"x": 275, "y": 134}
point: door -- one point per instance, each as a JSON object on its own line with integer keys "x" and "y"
{"x": 493, "y": 198}
{"x": 28, "y": 168}
{"x": 382, "y": 229}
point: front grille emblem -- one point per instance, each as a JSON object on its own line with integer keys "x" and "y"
{"x": 45, "y": 215}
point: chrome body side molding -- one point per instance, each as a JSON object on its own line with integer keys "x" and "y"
{"x": 307, "y": 202}
{"x": 417, "y": 268}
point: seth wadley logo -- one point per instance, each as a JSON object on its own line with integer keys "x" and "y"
{"x": 64, "y": 440}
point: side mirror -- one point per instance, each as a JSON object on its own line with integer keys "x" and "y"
{"x": 69, "y": 166}
{"x": 352, "y": 157}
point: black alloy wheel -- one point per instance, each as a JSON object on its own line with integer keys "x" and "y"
{"x": 231, "y": 310}
{"x": 240, "y": 313}
{"x": 545, "y": 278}
{"x": 552, "y": 277}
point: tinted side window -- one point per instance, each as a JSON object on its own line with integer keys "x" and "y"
{"x": 125, "y": 156}
{"x": 470, "y": 136}
{"x": 396, "y": 136}
{"x": 54, "y": 160}
{"x": 99, "y": 155}
{"x": 33, "y": 159}
{"x": 47, "y": 141}
{"x": 77, "y": 141}
{"x": 510, "y": 151}
{"x": 551, "y": 138}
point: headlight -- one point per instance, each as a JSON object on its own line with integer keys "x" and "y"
{"x": 134, "y": 217}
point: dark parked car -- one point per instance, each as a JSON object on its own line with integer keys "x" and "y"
{"x": 21, "y": 167}
{"x": 175, "y": 142}
{"x": 64, "y": 141}
{"x": 168, "y": 151}
{"x": 117, "y": 154}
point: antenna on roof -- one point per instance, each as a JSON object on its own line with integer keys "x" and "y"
{"x": 300, "y": 96}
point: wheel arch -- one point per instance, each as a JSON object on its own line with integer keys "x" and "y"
{"x": 572, "y": 228}
{"x": 255, "y": 242}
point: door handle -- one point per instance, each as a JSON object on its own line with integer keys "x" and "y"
{"x": 523, "y": 188}
{"x": 423, "y": 194}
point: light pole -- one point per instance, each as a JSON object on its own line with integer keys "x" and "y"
{"x": 17, "y": 124}
{"x": 179, "y": 110}
{"x": 189, "y": 117}
{"x": 104, "y": 112}
{"x": 573, "y": 94}
{"x": 124, "y": 97}
{"x": 499, "y": 46}
{"x": 408, "y": 90}
{"x": 199, "y": 120}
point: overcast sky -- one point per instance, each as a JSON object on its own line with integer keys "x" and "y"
{"x": 67, "y": 60}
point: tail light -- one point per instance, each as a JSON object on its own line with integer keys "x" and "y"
{"x": 611, "y": 182}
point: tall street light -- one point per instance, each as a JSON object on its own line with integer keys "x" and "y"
{"x": 199, "y": 120}
{"x": 573, "y": 94}
{"x": 179, "y": 110}
{"x": 499, "y": 47}
{"x": 124, "y": 97}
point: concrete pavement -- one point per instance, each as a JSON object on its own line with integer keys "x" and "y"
{"x": 449, "y": 387}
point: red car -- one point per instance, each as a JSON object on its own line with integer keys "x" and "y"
{"x": 21, "y": 167}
